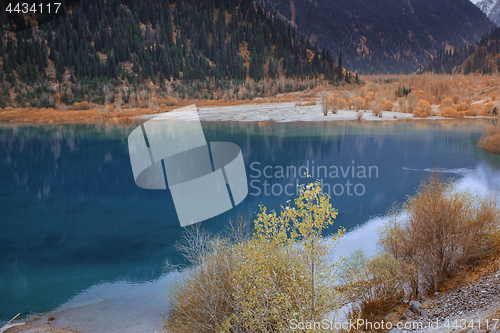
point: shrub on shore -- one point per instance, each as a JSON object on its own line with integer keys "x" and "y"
{"x": 376, "y": 111}
{"x": 81, "y": 106}
{"x": 373, "y": 285}
{"x": 448, "y": 112}
{"x": 386, "y": 105}
{"x": 441, "y": 232}
{"x": 324, "y": 103}
{"x": 259, "y": 284}
{"x": 357, "y": 103}
{"x": 444, "y": 230}
{"x": 419, "y": 113}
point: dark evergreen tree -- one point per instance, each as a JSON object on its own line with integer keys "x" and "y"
{"x": 99, "y": 39}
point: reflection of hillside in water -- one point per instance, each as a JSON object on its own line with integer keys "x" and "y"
{"x": 34, "y": 157}
{"x": 69, "y": 198}
{"x": 295, "y": 143}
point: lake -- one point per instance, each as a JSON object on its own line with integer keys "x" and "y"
{"x": 73, "y": 222}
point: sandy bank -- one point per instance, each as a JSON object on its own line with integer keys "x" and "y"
{"x": 282, "y": 112}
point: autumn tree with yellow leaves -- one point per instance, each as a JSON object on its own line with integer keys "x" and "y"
{"x": 278, "y": 274}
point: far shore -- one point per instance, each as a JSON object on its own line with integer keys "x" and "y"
{"x": 264, "y": 111}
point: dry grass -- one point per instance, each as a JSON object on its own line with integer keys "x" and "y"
{"x": 375, "y": 285}
{"x": 85, "y": 113}
{"x": 81, "y": 106}
{"x": 473, "y": 95}
{"x": 42, "y": 329}
{"x": 54, "y": 116}
{"x": 430, "y": 248}
{"x": 203, "y": 304}
{"x": 427, "y": 96}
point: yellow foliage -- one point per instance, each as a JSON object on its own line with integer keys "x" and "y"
{"x": 412, "y": 100}
{"x": 470, "y": 113}
{"x": 419, "y": 113}
{"x": 446, "y": 102}
{"x": 490, "y": 141}
{"x": 421, "y": 94}
{"x": 463, "y": 107}
{"x": 488, "y": 109}
{"x": 171, "y": 101}
{"x": 295, "y": 231}
{"x": 350, "y": 103}
{"x": 341, "y": 103}
{"x": 448, "y": 112}
{"x": 387, "y": 106}
{"x": 331, "y": 99}
{"x": 357, "y": 103}
{"x": 424, "y": 105}
{"x": 366, "y": 103}
{"x": 81, "y": 106}
{"x": 260, "y": 284}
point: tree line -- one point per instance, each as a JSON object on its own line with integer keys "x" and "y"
{"x": 482, "y": 57}
{"x": 134, "y": 41}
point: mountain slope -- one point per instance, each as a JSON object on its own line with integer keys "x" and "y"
{"x": 385, "y": 35}
{"x": 482, "y": 57}
{"x": 206, "y": 45}
{"x": 491, "y": 8}
{"x": 494, "y": 13}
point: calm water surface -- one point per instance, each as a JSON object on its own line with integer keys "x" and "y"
{"x": 71, "y": 216}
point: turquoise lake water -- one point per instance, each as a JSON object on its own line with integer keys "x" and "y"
{"x": 71, "y": 216}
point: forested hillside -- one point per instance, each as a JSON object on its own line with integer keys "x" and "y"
{"x": 385, "y": 36}
{"x": 483, "y": 58}
{"x": 102, "y": 49}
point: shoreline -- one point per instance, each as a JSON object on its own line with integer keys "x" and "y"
{"x": 279, "y": 112}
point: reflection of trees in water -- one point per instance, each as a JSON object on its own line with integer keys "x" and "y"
{"x": 68, "y": 193}
{"x": 272, "y": 142}
{"x": 35, "y": 159}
